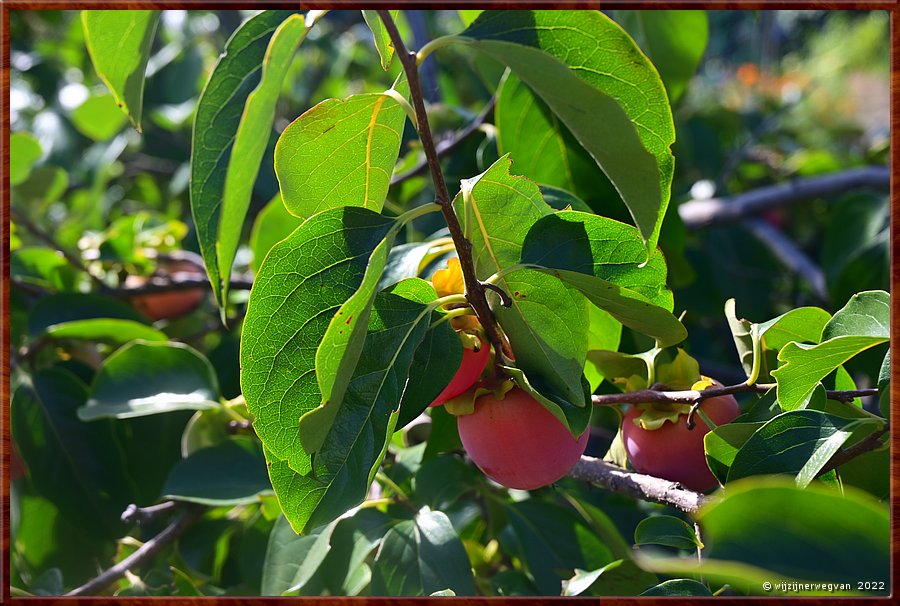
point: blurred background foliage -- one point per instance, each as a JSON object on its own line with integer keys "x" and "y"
{"x": 777, "y": 95}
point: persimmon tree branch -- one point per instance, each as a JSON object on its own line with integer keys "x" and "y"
{"x": 142, "y": 554}
{"x": 690, "y": 396}
{"x": 638, "y": 485}
{"x": 697, "y": 214}
{"x": 475, "y": 290}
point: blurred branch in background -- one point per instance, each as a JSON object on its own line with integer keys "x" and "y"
{"x": 697, "y": 214}
{"x": 448, "y": 144}
{"x": 786, "y": 251}
{"x": 144, "y": 553}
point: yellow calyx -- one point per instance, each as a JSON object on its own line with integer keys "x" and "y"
{"x": 450, "y": 281}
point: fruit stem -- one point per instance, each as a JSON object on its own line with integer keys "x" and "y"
{"x": 455, "y": 313}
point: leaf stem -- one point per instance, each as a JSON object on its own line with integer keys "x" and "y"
{"x": 434, "y": 45}
{"x": 474, "y": 289}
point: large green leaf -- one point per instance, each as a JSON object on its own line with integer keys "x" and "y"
{"x": 251, "y": 139}
{"x": 598, "y": 246}
{"x": 674, "y": 40}
{"x": 300, "y": 286}
{"x": 341, "y": 153}
{"x": 815, "y": 534}
{"x": 338, "y": 475}
{"x": 546, "y": 323}
{"x": 552, "y": 540}
{"x": 422, "y": 556}
{"x": 619, "y": 577}
{"x": 604, "y": 334}
{"x": 582, "y": 64}
{"x": 544, "y": 149}
{"x": 230, "y": 473}
{"x": 723, "y": 443}
{"x": 146, "y": 378}
{"x": 863, "y": 323}
{"x": 345, "y": 568}
{"x": 292, "y": 560}
{"x": 219, "y": 112}
{"x": 119, "y": 43}
{"x": 77, "y": 466}
{"x": 273, "y": 224}
{"x": 679, "y": 588}
{"x": 798, "y": 442}
{"x": 84, "y": 316}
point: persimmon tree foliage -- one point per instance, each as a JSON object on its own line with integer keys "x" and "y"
{"x": 421, "y": 373}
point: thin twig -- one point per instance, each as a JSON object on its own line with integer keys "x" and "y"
{"x": 638, "y": 485}
{"x": 448, "y": 144}
{"x": 142, "y": 515}
{"x": 702, "y": 213}
{"x": 475, "y": 291}
{"x": 20, "y": 218}
{"x": 867, "y": 444}
{"x": 786, "y": 251}
{"x": 689, "y": 396}
{"x": 174, "y": 282}
{"x": 144, "y": 553}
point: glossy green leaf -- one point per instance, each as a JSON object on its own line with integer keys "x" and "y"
{"x": 674, "y": 40}
{"x": 620, "y": 577}
{"x": 627, "y": 306}
{"x": 568, "y": 58}
{"x": 345, "y": 568}
{"x": 98, "y": 118}
{"x": 443, "y": 480}
{"x": 219, "y": 112}
{"x": 105, "y": 329}
{"x": 598, "y": 246}
{"x": 291, "y": 558}
{"x": 553, "y": 539}
{"x": 666, "y": 530}
{"x": 75, "y": 465}
{"x": 341, "y": 153}
{"x": 604, "y": 333}
{"x": 679, "y": 588}
{"x": 230, "y": 473}
{"x": 65, "y": 308}
{"x": 24, "y": 151}
{"x": 546, "y": 324}
{"x": 119, "y": 43}
{"x": 543, "y": 149}
{"x": 300, "y": 286}
{"x": 145, "y": 378}
{"x": 814, "y": 534}
{"x": 798, "y": 442}
{"x": 804, "y": 324}
{"x": 273, "y": 224}
{"x": 251, "y": 139}
{"x": 340, "y": 348}
{"x": 338, "y": 476}
{"x": 723, "y": 443}
{"x": 383, "y": 43}
{"x": 420, "y": 557}
{"x": 862, "y": 323}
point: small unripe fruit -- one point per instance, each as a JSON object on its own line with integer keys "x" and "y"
{"x": 674, "y": 452}
{"x": 471, "y": 367}
{"x": 517, "y": 442}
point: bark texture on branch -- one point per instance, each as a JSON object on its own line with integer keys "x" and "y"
{"x": 638, "y": 485}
